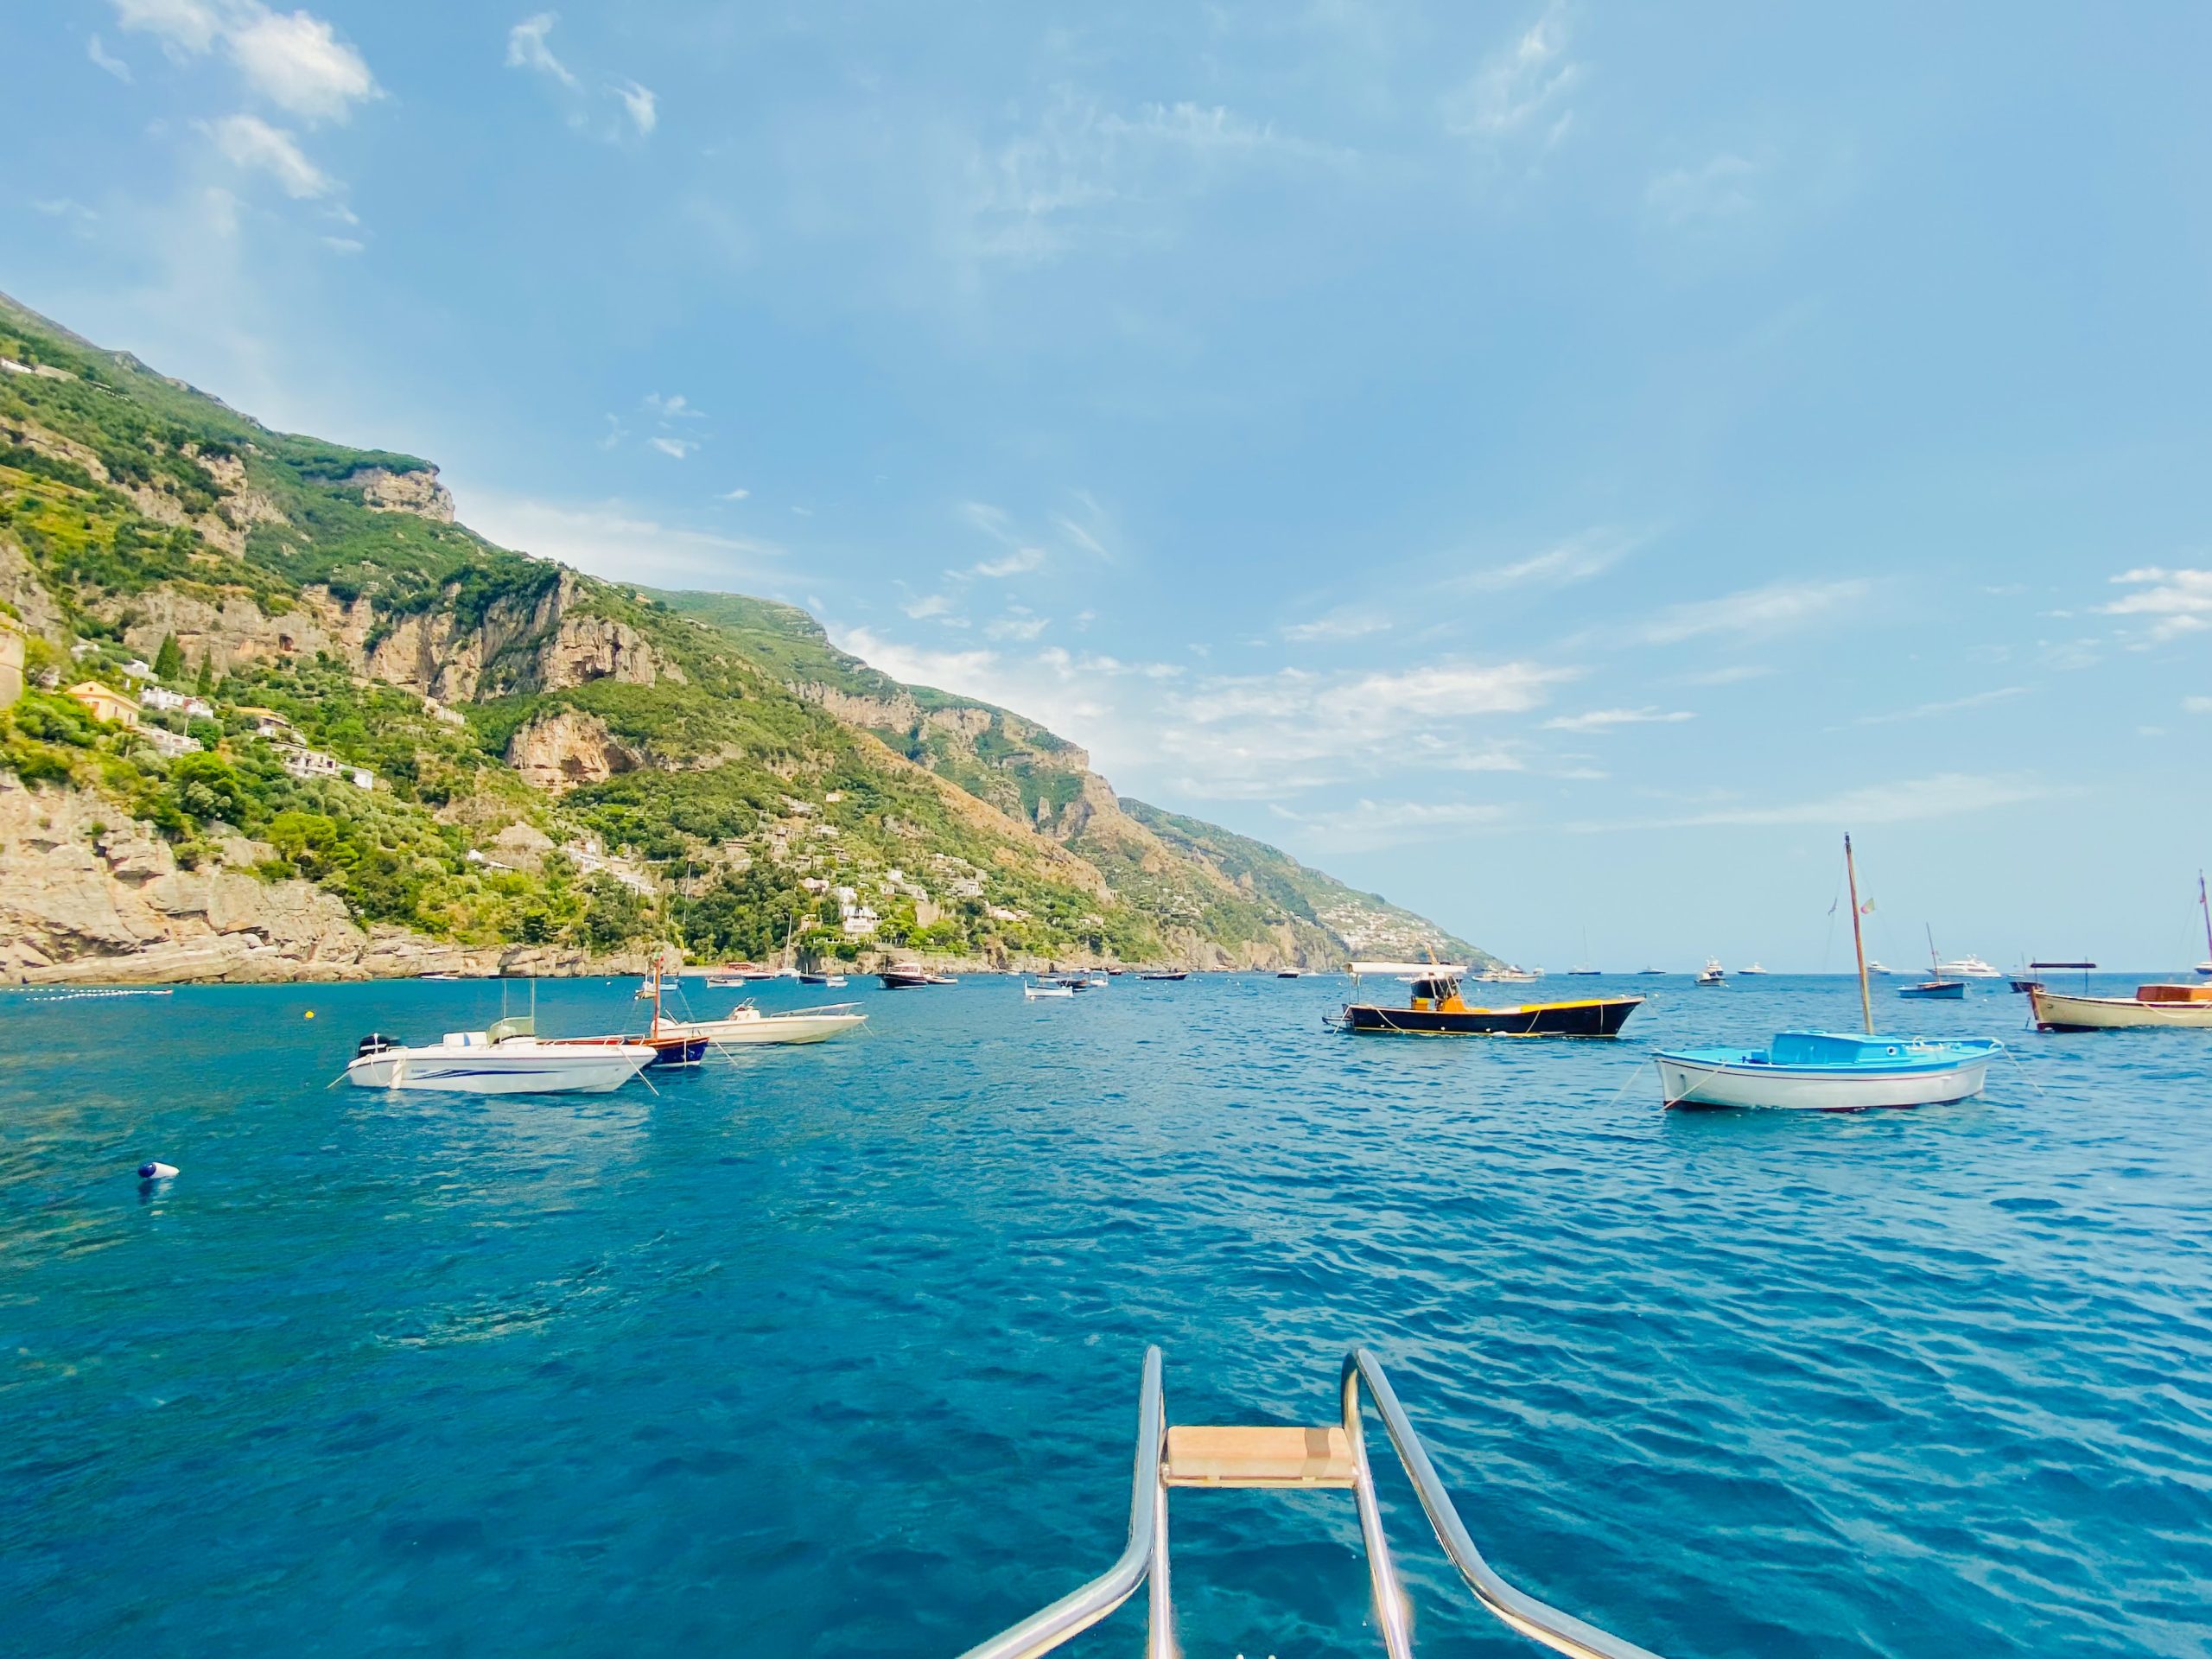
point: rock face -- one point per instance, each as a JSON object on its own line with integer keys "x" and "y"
{"x": 20, "y": 587}
{"x": 967, "y": 721}
{"x": 85, "y": 896}
{"x": 419, "y": 494}
{"x": 236, "y": 631}
{"x": 563, "y": 750}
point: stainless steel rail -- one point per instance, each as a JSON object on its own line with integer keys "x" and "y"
{"x": 1079, "y": 1609}
{"x": 1532, "y": 1618}
{"x": 1145, "y": 1554}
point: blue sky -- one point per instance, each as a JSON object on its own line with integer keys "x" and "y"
{"x": 1559, "y": 464}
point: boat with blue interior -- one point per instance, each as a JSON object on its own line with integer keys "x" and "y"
{"x": 1830, "y": 1071}
{"x": 1435, "y": 1008}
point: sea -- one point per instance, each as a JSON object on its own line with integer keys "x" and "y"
{"x": 835, "y": 1350}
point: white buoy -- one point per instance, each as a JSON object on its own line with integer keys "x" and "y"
{"x": 156, "y": 1172}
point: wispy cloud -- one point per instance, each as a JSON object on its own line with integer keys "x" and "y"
{"x": 671, "y": 407}
{"x": 183, "y": 26}
{"x": 1604, "y": 720}
{"x": 527, "y": 48}
{"x": 733, "y": 495}
{"x": 297, "y": 62}
{"x": 2197, "y": 705}
{"x": 1755, "y": 611}
{"x": 677, "y": 449}
{"x": 618, "y": 541}
{"x": 1946, "y": 795}
{"x": 639, "y": 105}
{"x": 107, "y": 60}
{"x": 251, "y": 145}
{"x": 1580, "y": 557}
{"x": 1017, "y": 624}
{"x": 1344, "y": 624}
{"x": 1723, "y": 187}
{"x": 1929, "y": 710}
{"x": 530, "y": 48}
{"x": 928, "y": 605}
{"x": 1520, "y": 88}
{"x": 1023, "y": 559}
{"x": 2180, "y": 601}
{"x": 1370, "y": 826}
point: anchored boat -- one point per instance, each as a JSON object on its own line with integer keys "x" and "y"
{"x": 2152, "y": 1007}
{"x": 1830, "y": 1071}
{"x": 1330, "y": 1457}
{"x": 507, "y": 1057}
{"x": 913, "y": 976}
{"x": 1712, "y": 973}
{"x": 1436, "y": 1009}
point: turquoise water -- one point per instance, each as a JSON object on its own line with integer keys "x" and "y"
{"x": 834, "y": 1350}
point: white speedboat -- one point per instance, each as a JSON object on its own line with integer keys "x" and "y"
{"x": 507, "y": 1059}
{"x": 1827, "y": 1072}
{"x": 747, "y": 1025}
{"x": 1036, "y": 993}
{"x": 1712, "y": 973}
{"x": 1967, "y": 968}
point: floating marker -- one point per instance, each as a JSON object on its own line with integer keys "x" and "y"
{"x": 310, "y": 1014}
{"x": 156, "y": 1172}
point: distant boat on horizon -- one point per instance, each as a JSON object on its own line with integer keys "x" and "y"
{"x": 1712, "y": 973}
{"x": 1753, "y": 968}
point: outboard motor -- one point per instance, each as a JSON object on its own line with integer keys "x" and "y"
{"x": 375, "y": 1044}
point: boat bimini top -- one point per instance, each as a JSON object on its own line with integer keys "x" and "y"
{"x": 1289, "y": 1459}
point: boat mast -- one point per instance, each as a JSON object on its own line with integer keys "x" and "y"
{"x": 1858, "y": 941}
{"x": 2204, "y": 904}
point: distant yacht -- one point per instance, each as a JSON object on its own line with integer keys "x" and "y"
{"x": 1713, "y": 973}
{"x": 1593, "y": 972}
{"x": 1753, "y": 968}
{"x": 1967, "y": 968}
{"x": 1876, "y": 968}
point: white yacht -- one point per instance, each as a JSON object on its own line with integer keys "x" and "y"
{"x": 506, "y": 1059}
{"x": 1713, "y": 973}
{"x": 1753, "y": 968}
{"x": 747, "y": 1025}
{"x": 1967, "y": 968}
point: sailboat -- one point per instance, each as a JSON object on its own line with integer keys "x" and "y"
{"x": 1935, "y": 985}
{"x": 2153, "y": 1006}
{"x": 1830, "y": 1071}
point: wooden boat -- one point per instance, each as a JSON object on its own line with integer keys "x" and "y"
{"x": 1437, "y": 1009}
{"x": 1829, "y": 1071}
{"x": 1177, "y": 973}
{"x": 670, "y": 1046}
{"x": 912, "y": 976}
{"x": 2152, "y": 1008}
{"x": 1034, "y": 992}
{"x": 740, "y": 973}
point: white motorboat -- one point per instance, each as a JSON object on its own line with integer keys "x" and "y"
{"x": 1712, "y": 973}
{"x": 747, "y": 1025}
{"x": 1035, "y": 993}
{"x": 507, "y": 1059}
{"x": 1745, "y": 973}
{"x": 1967, "y": 968}
{"x": 1879, "y": 967}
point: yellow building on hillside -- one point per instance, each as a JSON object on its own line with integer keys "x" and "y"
{"x": 109, "y": 708}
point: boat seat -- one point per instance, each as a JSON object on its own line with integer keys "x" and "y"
{"x": 1264, "y": 1456}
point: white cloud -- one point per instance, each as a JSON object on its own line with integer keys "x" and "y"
{"x": 928, "y": 605}
{"x": 614, "y": 540}
{"x": 107, "y": 60}
{"x": 1910, "y": 800}
{"x": 733, "y": 495}
{"x": 2181, "y": 601}
{"x": 1370, "y": 826}
{"x": 639, "y": 103}
{"x": 248, "y": 142}
{"x": 183, "y": 26}
{"x": 678, "y": 448}
{"x": 1759, "y": 612}
{"x": 1338, "y": 625}
{"x": 674, "y": 407}
{"x": 299, "y": 64}
{"x": 343, "y": 243}
{"x": 1017, "y": 624}
{"x": 1519, "y": 85}
{"x": 1604, "y": 720}
{"x": 1720, "y": 188}
{"x": 2197, "y": 705}
{"x": 526, "y": 47}
{"x": 1580, "y": 557}
{"x": 1927, "y": 711}
{"x": 1016, "y": 563}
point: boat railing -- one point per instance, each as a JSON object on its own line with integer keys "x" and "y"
{"x": 1339, "y": 1459}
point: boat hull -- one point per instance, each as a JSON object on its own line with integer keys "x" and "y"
{"x": 1748, "y": 1080}
{"x": 1949, "y": 991}
{"x": 2053, "y": 1012}
{"x": 505, "y": 1069}
{"x": 1590, "y": 1017}
{"x": 768, "y": 1028}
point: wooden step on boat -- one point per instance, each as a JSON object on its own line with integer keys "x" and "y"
{"x": 1435, "y": 1008}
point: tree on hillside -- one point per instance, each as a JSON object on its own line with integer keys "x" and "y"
{"x": 169, "y": 661}
{"x": 207, "y": 684}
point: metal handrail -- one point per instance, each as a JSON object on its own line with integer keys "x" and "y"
{"x": 1532, "y": 1618}
{"x": 1080, "y": 1608}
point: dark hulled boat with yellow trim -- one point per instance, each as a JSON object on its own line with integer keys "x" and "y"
{"x": 1435, "y": 1008}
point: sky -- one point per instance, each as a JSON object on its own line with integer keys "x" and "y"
{"x": 1559, "y": 464}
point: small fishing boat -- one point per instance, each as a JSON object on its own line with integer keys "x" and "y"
{"x": 1288, "y": 973}
{"x": 912, "y": 976}
{"x": 1938, "y": 985}
{"x": 1178, "y": 973}
{"x": 1826, "y": 1070}
{"x": 834, "y": 980}
{"x": 1038, "y": 993}
{"x": 507, "y": 1057}
{"x": 740, "y": 973}
{"x": 2152, "y": 1007}
{"x": 1712, "y": 973}
{"x": 1437, "y": 1009}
